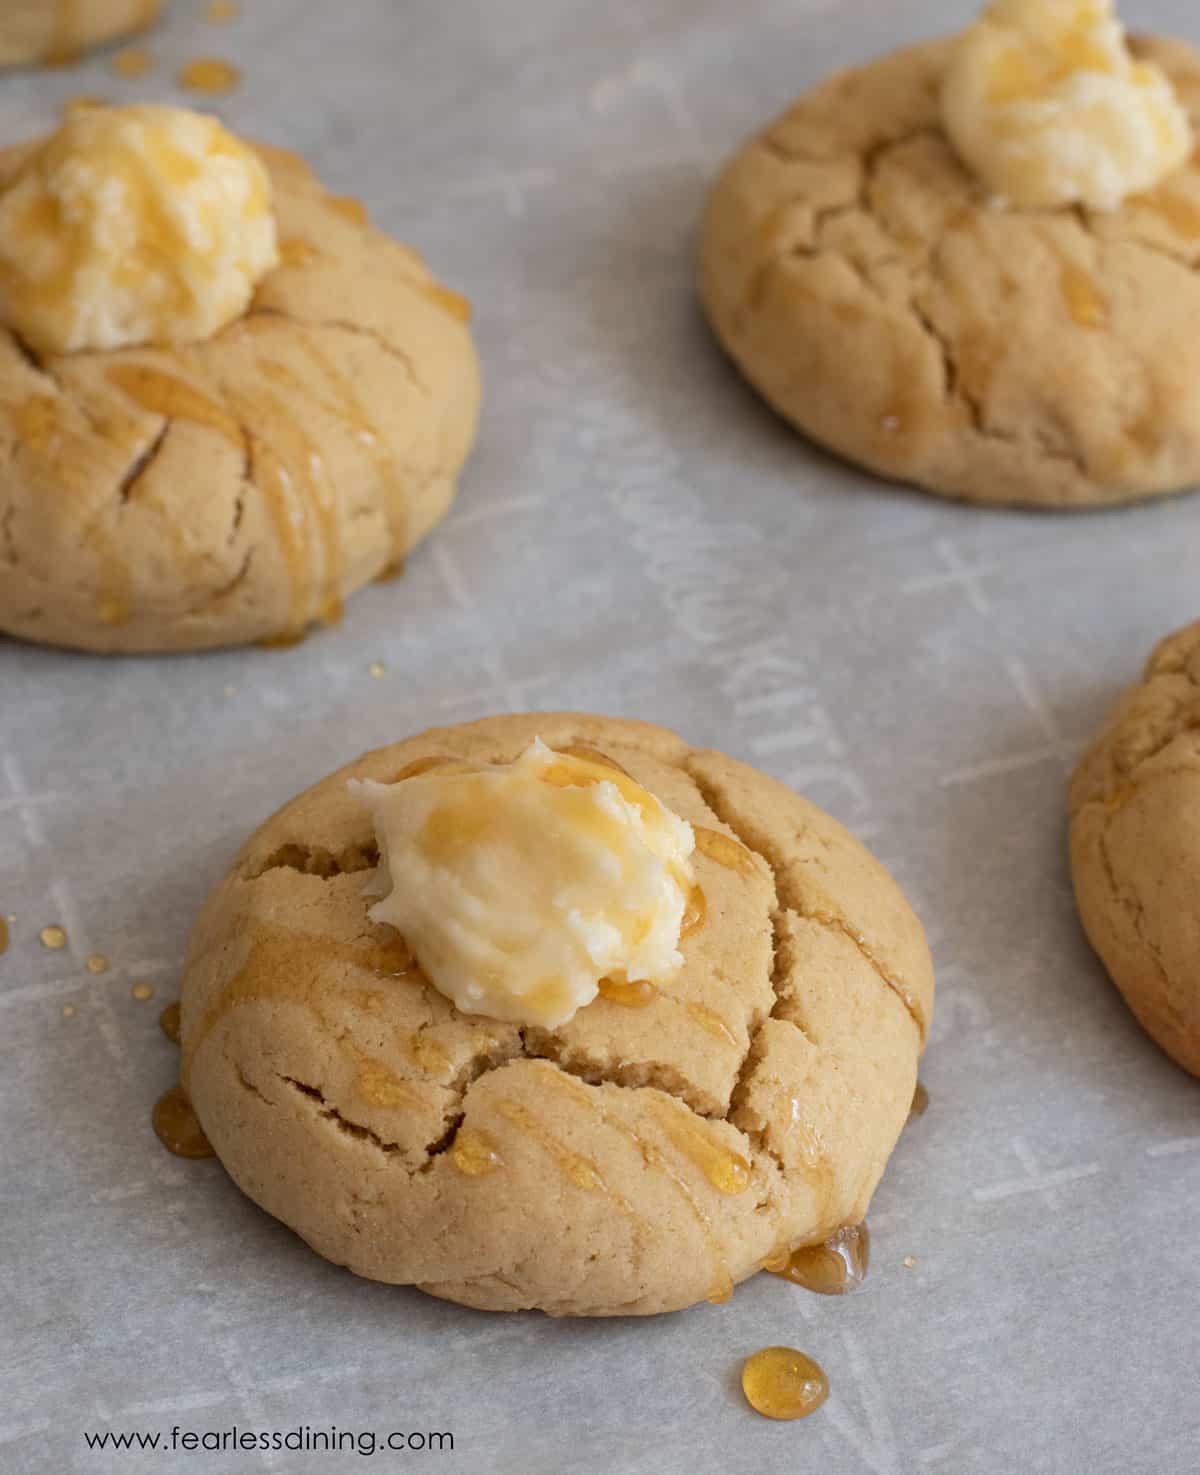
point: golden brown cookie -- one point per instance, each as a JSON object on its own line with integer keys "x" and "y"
{"x": 56, "y": 31}
{"x": 240, "y": 488}
{"x": 636, "y": 1159}
{"x": 1135, "y": 846}
{"x": 863, "y": 282}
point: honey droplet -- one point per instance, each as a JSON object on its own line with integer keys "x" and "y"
{"x": 134, "y": 61}
{"x": 475, "y": 1153}
{"x": 712, "y": 1023}
{"x": 830, "y": 1269}
{"x": 781, "y": 1383}
{"x": 637, "y": 995}
{"x": 142, "y": 992}
{"x": 176, "y": 1125}
{"x": 53, "y": 937}
{"x": 426, "y": 765}
{"x": 721, "y": 1293}
{"x": 285, "y": 640}
{"x": 1181, "y": 214}
{"x": 378, "y": 669}
{"x": 97, "y": 963}
{"x": 207, "y": 74}
{"x": 68, "y": 1011}
{"x": 695, "y": 913}
{"x": 390, "y": 571}
{"x": 3, "y": 935}
{"x": 221, "y": 12}
{"x": 724, "y": 850}
{"x": 84, "y": 100}
{"x": 348, "y": 208}
{"x": 920, "y": 1103}
{"x": 170, "y": 1022}
{"x": 1082, "y": 297}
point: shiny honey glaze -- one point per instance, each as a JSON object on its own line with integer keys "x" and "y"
{"x": 177, "y": 1127}
{"x": 724, "y": 851}
{"x": 210, "y": 75}
{"x": 1180, "y": 213}
{"x": 348, "y": 208}
{"x": 781, "y": 1383}
{"x": 576, "y": 1168}
{"x": 628, "y": 995}
{"x": 54, "y": 937}
{"x": 170, "y": 1023}
{"x": 830, "y": 1269}
{"x": 727, "y": 1171}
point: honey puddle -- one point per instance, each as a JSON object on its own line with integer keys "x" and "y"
{"x": 830, "y": 1269}
{"x": 207, "y": 74}
{"x": 176, "y": 1126}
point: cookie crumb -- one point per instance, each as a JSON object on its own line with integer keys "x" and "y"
{"x": 910, "y": 1262}
{"x": 378, "y": 669}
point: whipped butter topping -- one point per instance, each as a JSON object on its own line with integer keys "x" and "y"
{"x": 1047, "y": 106}
{"x": 131, "y": 226}
{"x": 519, "y": 887}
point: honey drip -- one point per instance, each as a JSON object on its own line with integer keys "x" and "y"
{"x": 170, "y": 1022}
{"x": 1082, "y": 297}
{"x": 592, "y": 755}
{"x": 390, "y": 571}
{"x": 475, "y": 1153}
{"x": 289, "y": 967}
{"x": 781, "y": 1383}
{"x": 726, "y": 1170}
{"x": 637, "y": 995}
{"x": 348, "y": 208}
{"x": 724, "y": 851}
{"x": 830, "y": 1269}
{"x": 920, "y": 1103}
{"x": 176, "y": 1126}
{"x": 207, "y": 74}
{"x": 379, "y": 1086}
{"x": 3, "y": 935}
{"x": 174, "y": 399}
{"x": 297, "y": 252}
{"x": 450, "y": 302}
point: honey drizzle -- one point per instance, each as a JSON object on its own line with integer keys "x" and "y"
{"x": 1082, "y": 297}
{"x": 726, "y": 1170}
{"x": 589, "y": 754}
{"x": 577, "y": 1169}
{"x": 712, "y": 1024}
{"x": 427, "y": 765}
{"x": 62, "y": 47}
{"x": 453, "y": 303}
{"x": 1181, "y": 214}
{"x": 348, "y": 208}
{"x": 654, "y": 1157}
{"x": 177, "y": 1127}
{"x": 830, "y": 1269}
{"x": 695, "y": 913}
{"x": 286, "y": 967}
{"x": 475, "y": 1153}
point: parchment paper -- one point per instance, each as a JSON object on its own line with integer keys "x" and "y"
{"x": 635, "y": 535}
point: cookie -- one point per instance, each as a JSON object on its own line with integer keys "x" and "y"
{"x": 634, "y": 1160}
{"x": 1135, "y": 847}
{"x": 56, "y": 31}
{"x": 864, "y": 283}
{"x": 239, "y": 488}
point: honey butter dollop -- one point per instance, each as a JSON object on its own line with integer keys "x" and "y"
{"x": 518, "y": 887}
{"x": 131, "y": 226}
{"x": 1047, "y": 106}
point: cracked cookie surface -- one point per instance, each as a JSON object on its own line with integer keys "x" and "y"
{"x": 1135, "y": 846}
{"x": 865, "y": 285}
{"x": 56, "y": 31}
{"x": 634, "y": 1160}
{"x": 240, "y": 488}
